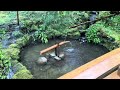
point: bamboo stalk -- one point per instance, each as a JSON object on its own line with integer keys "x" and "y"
{"x": 53, "y": 47}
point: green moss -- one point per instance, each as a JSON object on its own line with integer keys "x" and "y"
{"x": 13, "y": 53}
{"x": 112, "y": 33}
{"x": 14, "y": 62}
{"x": 17, "y": 67}
{"x": 23, "y": 74}
{"x": 23, "y": 41}
{"x": 103, "y": 14}
{"x": 14, "y": 46}
{"x": 20, "y": 71}
{"x": 74, "y": 35}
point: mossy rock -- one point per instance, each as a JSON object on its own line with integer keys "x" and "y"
{"x": 17, "y": 67}
{"x": 23, "y": 74}
{"x": 19, "y": 42}
{"x": 13, "y": 53}
{"x": 75, "y": 35}
{"x": 14, "y": 62}
{"x": 14, "y": 46}
{"x": 23, "y": 41}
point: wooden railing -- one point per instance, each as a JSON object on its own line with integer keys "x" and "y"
{"x": 98, "y": 68}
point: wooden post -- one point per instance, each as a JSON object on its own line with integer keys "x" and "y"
{"x": 17, "y": 18}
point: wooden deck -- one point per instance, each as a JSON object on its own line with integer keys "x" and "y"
{"x": 113, "y": 76}
{"x": 98, "y": 68}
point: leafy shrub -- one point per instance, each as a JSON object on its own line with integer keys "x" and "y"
{"x": 103, "y": 13}
{"x": 92, "y": 33}
{"x": 17, "y": 34}
{"x": 2, "y": 33}
{"x": 4, "y": 64}
{"x": 40, "y": 35}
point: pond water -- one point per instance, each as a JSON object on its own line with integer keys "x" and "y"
{"x": 76, "y": 54}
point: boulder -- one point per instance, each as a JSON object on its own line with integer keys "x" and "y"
{"x": 42, "y": 60}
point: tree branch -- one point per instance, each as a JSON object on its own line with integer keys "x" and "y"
{"x": 92, "y": 21}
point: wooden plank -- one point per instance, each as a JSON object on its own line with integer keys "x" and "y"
{"x": 53, "y": 47}
{"x": 113, "y": 75}
{"x": 108, "y": 72}
{"x": 96, "y": 67}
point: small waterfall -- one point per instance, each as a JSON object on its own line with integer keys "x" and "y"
{"x": 5, "y": 41}
{"x": 10, "y": 74}
{"x": 16, "y": 30}
{"x": 71, "y": 44}
{"x": 10, "y": 37}
{"x": 82, "y": 39}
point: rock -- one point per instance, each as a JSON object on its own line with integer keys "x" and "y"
{"x": 57, "y": 58}
{"x": 42, "y": 60}
{"x": 70, "y": 50}
{"x": 62, "y": 55}
{"x": 52, "y": 54}
{"x": 17, "y": 67}
{"x": 23, "y": 74}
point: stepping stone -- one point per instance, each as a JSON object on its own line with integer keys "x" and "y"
{"x": 52, "y": 54}
{"x": 62, "y": 55}
{"x": 57, "y": 58}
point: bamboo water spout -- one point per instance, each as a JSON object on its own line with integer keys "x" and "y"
{"x": 53, "y": 47}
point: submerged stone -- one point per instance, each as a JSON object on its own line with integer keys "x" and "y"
{"x": 52, "y": 54}
{"x": 61, "y": 55}
{"x": 42, "y": 60}
{"x": 57, "y": 58}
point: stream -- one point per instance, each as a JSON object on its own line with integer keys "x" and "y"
{"x": 76, "y": 54}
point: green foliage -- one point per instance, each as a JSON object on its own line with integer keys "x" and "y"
{"x": 92, "y": 33}
{"x": 4, "y": 64}
{"x": 13, "y": 53}
{"x": 42, "y": 22}
{"x": 40, "y": 35}
{"x": 23, "y": 41}
{"x": 52, "y": 23}
{"x": 14, "y": 46}
{"x": 7, "y": 17}
{"x": 114, "y": 23}
{"x": 2, "y": 33}
{"x": 17, "y": 34}
{"x": 103, "y": 14}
